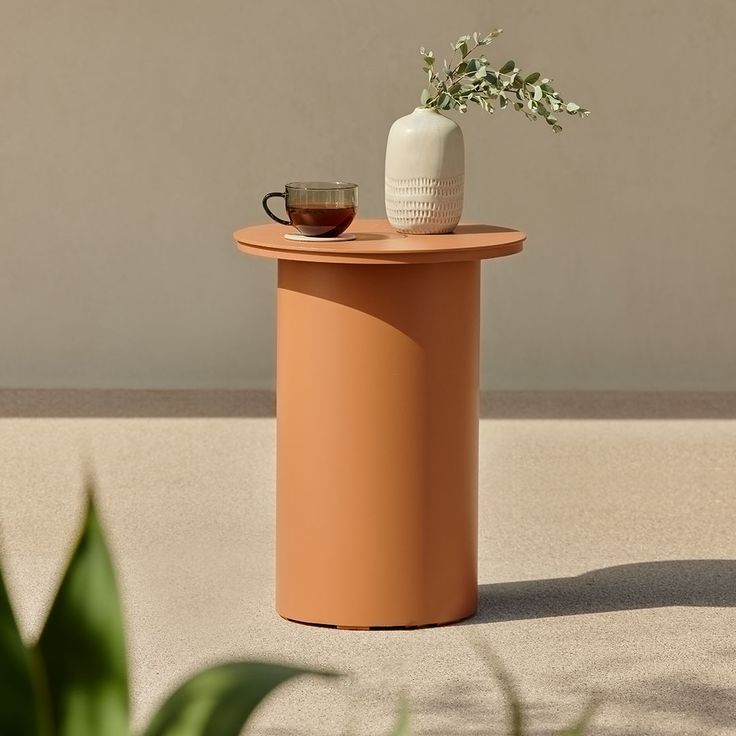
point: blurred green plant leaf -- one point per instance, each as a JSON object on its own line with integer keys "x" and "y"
{"x": 19, "y": 714}
{"x": 219, "y": 700}
{"x": 506, "y": 685}
{"x": 509, "y": 66}
{"x": 82, "y": 646}
{"x": 580, "y": 727}
{"x": 402, "y": 726}
{"x": 513, "y": 700}
{"x": 516, "y": 712}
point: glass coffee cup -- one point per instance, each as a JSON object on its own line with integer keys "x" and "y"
{"x": 318, "y": 209}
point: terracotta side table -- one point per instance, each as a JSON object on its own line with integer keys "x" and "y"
{"x": 377, "y": 422}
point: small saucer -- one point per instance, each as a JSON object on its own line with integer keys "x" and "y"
{"x": 313, "y": 238}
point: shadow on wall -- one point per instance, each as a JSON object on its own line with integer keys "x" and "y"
{"x": 620, "y": 588}
{"x": 262, "y": 403}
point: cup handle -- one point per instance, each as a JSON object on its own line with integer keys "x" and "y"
{"x": 268, "y": 211}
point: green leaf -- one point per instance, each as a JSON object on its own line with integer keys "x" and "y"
{"x": 486, "y": 105}
{"x": 516, "y": 82}
{"x": 557, "y": 128}
{"x": 509, "y": 66}
{"x": 572, "y": 107}
{"x": 402, "y": 727}
{"x": 580, "y": 727}
{"x": 537, "y": 93}
{"x": 506, "y": 684}
{"x": 532, "y": 78}
{"x": 219, "y": 700}
{"x": 82, "y": 644}
{"x": 513, "y": 701}
{"x": 19, "y": 713}
{"x": 424, "y": 97}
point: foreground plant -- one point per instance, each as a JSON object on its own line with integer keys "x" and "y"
{"x": 513, "y": 700}
{"x": 74, "y": 680}
{"x": 516, "y": 714}
{"x": 471, "y": 79}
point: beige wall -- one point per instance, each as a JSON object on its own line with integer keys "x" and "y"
{"x": 135, "y": 136}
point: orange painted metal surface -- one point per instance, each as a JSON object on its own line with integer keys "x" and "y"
{"x": 377, "y": 438}
{"x": 377, "y": 242}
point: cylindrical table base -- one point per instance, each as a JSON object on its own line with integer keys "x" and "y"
{"x": 377, "y": 443}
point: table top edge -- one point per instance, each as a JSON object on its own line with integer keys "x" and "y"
{"x": 469, "y": 245}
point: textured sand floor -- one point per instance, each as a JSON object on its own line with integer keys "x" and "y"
{"x": 607, "y": 558}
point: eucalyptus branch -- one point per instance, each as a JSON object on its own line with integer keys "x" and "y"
{"x": 473, "y": 80}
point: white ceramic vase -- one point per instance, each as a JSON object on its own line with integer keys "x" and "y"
{"x": 425, "y": 172}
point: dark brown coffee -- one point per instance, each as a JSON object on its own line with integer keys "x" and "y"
{"x": 321, "y": 221}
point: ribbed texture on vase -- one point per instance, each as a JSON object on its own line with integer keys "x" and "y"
{"x": 424, "y": 205}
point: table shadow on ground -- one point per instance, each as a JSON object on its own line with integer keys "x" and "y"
{"x": 621, "y": 588}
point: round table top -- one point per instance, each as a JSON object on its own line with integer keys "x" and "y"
{"x": 377, "y": 242}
